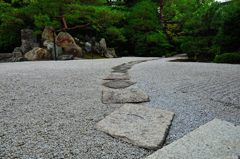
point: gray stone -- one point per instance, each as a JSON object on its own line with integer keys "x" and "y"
{"x": 17, "y": 54}
{"x": 88, "y": 46}
{"x": 118, "y": 76}
{"x": 28, "y": 40}
{"x": 50, "y": 47}
{"x": 118, "y": 84}
{"x": 103, "y": 43}
{"x": 65, "y": 57}
{"x": 137, "y": 124}
{"x": 110, "y": 53}
{"x": 215, "y": 140}
{"x": 133, "y": 95}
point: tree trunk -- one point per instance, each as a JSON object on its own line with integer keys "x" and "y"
{"x": 161, "y": 5}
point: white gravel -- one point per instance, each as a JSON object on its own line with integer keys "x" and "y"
{"x": 49, "y": 110}
{"x": 195, "y": 92}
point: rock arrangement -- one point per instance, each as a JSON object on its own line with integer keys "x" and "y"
{"x": 133, "y": 123}
{"x": 61, "y": 46}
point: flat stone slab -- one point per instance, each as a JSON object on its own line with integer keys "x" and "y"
{"x": 137, "y": 124}
{"x": 215, "y": 140}
{"x": 133, "y": 95}
{"x": 123, "y": 68}
{"x": 118, "y": 84}
{"x": 118, "y": 76}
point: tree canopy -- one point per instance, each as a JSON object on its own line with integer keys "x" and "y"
{"x": 203, "y": 29}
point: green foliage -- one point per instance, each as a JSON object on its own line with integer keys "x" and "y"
{"x": 233, "y": 58}
{"x": 200, "y": 28}
{"x": 198, "y": 48}
{"x": 228, "y": 36}
{"x": 144, "y": 32}
{"x": 10, "y": 26}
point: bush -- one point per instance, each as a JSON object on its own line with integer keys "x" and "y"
{"x": 233, "y": 58}
{"x": 198, "y": 48}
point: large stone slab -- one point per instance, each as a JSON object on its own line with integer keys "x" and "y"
{"x": 215, "y": 140}
{"x": 118, "y": 84}
{"x": 133, "y": 95}
{"x": 137, "y": 124}
{"x": 118, "y": 76}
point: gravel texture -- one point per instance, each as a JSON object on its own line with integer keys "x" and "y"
{"x": 215, "y": 140}
{"x": 196, "y": 92}
{"x": 49, "y": 110}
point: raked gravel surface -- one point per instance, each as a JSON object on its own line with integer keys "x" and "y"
{"x": 196, "y": 92}
{"x": 49, "y": 109}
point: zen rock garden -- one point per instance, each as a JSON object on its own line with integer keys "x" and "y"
{"x": 148, "y": 127}
{"x": 61, "y": 46}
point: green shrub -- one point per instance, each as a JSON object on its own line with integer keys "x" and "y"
{"x": 198, "y": 48}
{"x": 233, "y": 58}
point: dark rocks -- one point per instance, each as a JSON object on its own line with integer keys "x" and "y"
{"x": 118, "y": 84}
{"x": 110, "y": 53}
{"x": 102, "y": 49}
{"x": 28, "y": 39}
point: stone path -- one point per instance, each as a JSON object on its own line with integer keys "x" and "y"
{"x": 136, "y": 124}
{"x": 132, "y": 95}
{"x": 118, "y": 84}
{"x": 215, "y": 140}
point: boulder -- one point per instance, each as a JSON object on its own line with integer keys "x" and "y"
{"x": 88, "y": 46}
{"x": 37, "y": 54}
{"x": 110, "y": 53}
{"x": 48, "y": 34}
{"x": 17, "y": 52}
{"x": 101, "y": 48}
{"x": 74, "y": 50}
{"x": 50, "y": 47}
{"x": 103, "y": 43}
{"x": 28, "y": 40}
{"x": 65, "y": 40}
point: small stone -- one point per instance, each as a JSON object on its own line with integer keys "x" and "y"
{"x": 137, "y": 124}
{"x": 118, "y": 76}
{"x": 133, "y": 95}
{"x": 118, "y": 84}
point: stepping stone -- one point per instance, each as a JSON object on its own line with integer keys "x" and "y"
{"x": 122, "y": 68}
{"x": 137, "y": 124}
{"x": 133, "y": 95}
{"x": 118, "y": 76}
{"x": 215, "y": 140}
{"x": 118, "y": 84}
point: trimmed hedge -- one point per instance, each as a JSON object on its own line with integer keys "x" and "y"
{"x": 233, "y": 58}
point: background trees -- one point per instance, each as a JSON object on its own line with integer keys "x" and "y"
{"x": 203, "y": 29}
